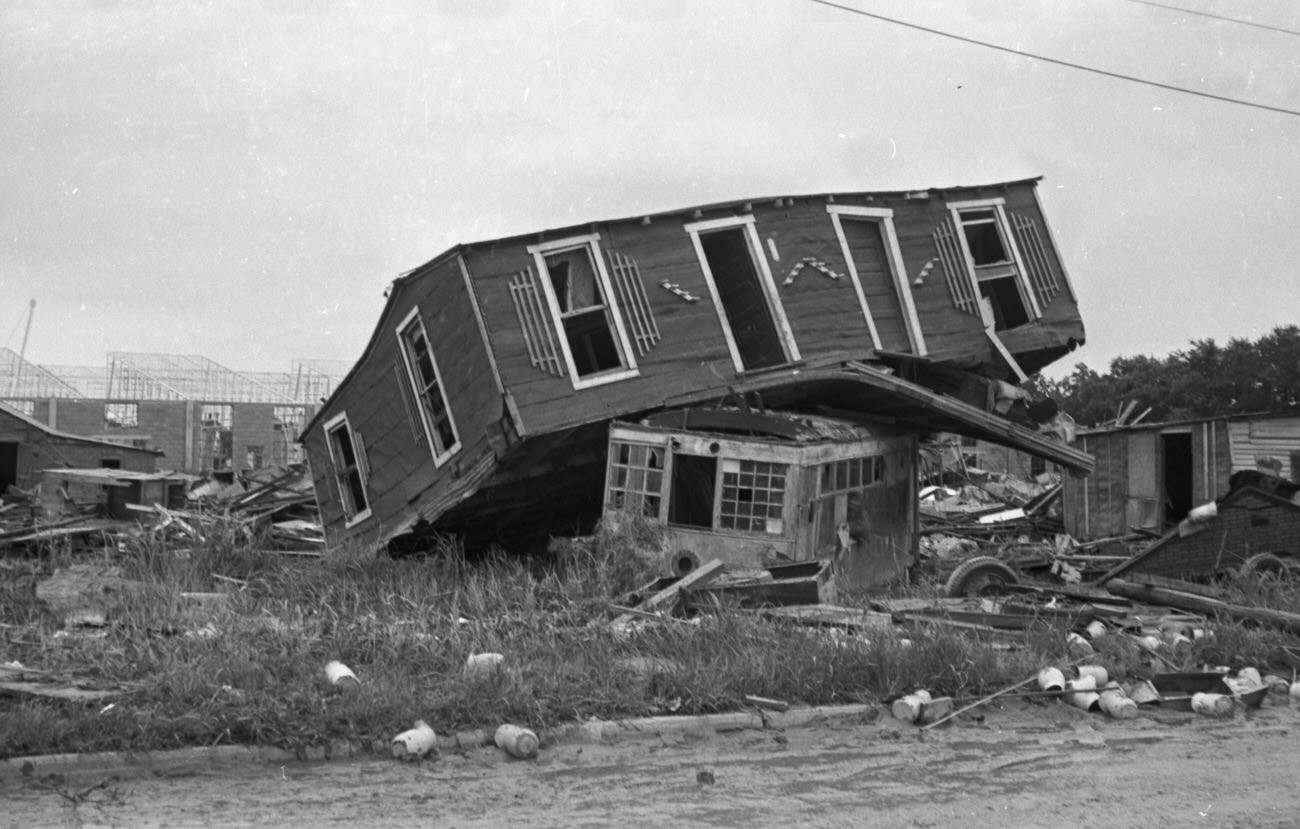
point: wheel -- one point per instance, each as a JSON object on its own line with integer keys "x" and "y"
{"x": 980, "y": 576}
{"x": 1263, "y": 564}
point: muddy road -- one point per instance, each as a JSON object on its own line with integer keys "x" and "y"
{"x": 1026, "y": 765}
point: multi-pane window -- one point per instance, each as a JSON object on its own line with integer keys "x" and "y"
{"x": 851, "y": 474}
{"x": 347, "y": 456}
{"x": 595, "y": 345}
{"x": 753, "y": 496}
{"x": 636, "y": 473}
{"x": 997, "y": 274}
{"x": 122, "y": 415}
{"x": 427, "y": 387}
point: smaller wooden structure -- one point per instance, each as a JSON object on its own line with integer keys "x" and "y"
{"x": 758, "y": 489}
{"x": 111, "y": 490}
{"x": 28, "y": 446}
{"x": 1150, "y": 476}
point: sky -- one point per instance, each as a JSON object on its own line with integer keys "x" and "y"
{"x": 242, "y": 179}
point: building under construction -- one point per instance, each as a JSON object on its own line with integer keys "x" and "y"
{"x": 205, "y": 418}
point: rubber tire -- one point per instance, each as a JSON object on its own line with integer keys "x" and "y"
{"x": 1263, "y": 564}
{"x": 980, "y": 576}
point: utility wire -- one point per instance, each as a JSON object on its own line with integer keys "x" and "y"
{"x": 1118, "y": 75}
{"x": 1217, "y": 17}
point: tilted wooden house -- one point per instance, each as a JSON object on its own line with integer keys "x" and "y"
{"x": 482, "y": 404}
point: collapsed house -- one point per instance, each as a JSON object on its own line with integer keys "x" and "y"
{"x": 1151, "y": 475}
{"x": 482, "y": 405}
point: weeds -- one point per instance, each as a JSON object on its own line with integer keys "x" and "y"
{"x": 248, "y": 669}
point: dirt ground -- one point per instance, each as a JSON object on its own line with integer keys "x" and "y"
{"x": 1028, "y": 764}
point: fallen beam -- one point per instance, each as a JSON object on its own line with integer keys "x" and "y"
{"x": 696, "y": 578}
{"x": 1203, "y": 604}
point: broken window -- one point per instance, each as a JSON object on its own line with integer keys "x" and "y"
{"x": 997, "y": 273}
{"x": 253, "y": 456}
{"x": 427, "y": 387}
{"x": 594, "y": 342}
{"x": 840, "y": 512}
{"x": 636, "y": 478}
{"x": 753, "y": 496}
{"x": 286, "y": 425}
{"x": 347, "y": 454}
{"x": 122, "y": 415}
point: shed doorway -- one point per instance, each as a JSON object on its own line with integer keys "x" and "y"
{"x": 8, "y": 465}
{"x": 1177, "y": 470}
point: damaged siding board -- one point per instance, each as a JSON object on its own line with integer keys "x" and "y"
{"x": 820, "y": 298}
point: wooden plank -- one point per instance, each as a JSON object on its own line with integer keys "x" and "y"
{"x": 696, "y": 578}
{"x": 1202, "y": 604}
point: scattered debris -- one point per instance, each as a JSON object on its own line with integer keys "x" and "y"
{"x": 341, "y": 677}
{"x": 480, "y": 666}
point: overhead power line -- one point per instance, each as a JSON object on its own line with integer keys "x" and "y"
{"x": 1081, "y": 67}
{"x": 1217, "y": 17}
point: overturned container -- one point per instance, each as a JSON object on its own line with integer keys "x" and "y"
{"x": 517, "y": 741}
{"x": 1212, "y": 705}
{"x": 415, "y": 742}
{"x": 340, "y": 676}
{"x": 483, "y": 665}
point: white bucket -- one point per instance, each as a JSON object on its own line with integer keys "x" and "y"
{"x": 1051, "y": 679}
{"x": 341, "y": 676}
{"x": 1097, "y": 672}
{"x": 908, "y": 708}
{"x": 1251, "y": 677}
{"x": 1150, "y": 643}
{"x": 1077, "y": 644}
{"x": 1212, "y": 705}
{"x": 516, "y": 741}
{"x": 1295, "y": 691}
{"x": 1118, "y": 706}
{"x": 1082, "y": 693}
{"x": 414, "y": 743}
{"x": 483, "y": 665}
{"x": 1096, "y": 628}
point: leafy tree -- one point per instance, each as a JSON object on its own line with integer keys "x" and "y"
{"x": 1203, "y": 380}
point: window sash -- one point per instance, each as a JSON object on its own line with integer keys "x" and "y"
{"x": 427, "y": 387}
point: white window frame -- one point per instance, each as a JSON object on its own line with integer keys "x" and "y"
{"x": 768, "y": 285}
{"x": 439, "y": 457}
{"x": 884, "y": 217}
{"x": 331, "y": 426}
{"x": 999, "y": 206}
{"x": 590, "y": 241}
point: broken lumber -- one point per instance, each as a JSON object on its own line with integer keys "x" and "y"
{"x": 698, "y": 577}
{"x": 1196, "y": 603}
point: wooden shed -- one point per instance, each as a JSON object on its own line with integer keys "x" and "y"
{"x": 1149, "y": 476}
{"x": 482, "y": 403}
{"x": 28, "y": 446}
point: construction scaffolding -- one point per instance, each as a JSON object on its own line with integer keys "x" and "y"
{"x": 143, "y": 376}
{"x": 20, "y": 378}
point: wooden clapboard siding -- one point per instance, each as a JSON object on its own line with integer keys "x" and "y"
{"x": 823, "y": 310}
{"x": 380, "y": 411}
{"x": 950, "y": 333}
{"x": 1095, "y": 506}
{"x": 1277, "y": 438}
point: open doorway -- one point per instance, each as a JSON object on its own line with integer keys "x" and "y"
{"x": 8, "y": 465}
{"x": 1177, "y": 470}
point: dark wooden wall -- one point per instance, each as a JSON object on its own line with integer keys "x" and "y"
{"x": 401, "y": 467}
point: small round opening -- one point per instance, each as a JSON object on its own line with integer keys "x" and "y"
{"x": 684, "y": 564}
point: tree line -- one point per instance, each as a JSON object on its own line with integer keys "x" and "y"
{"x": 1203, "y": 380}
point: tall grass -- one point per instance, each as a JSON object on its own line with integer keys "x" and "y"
{"x": 249, "y": 669}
